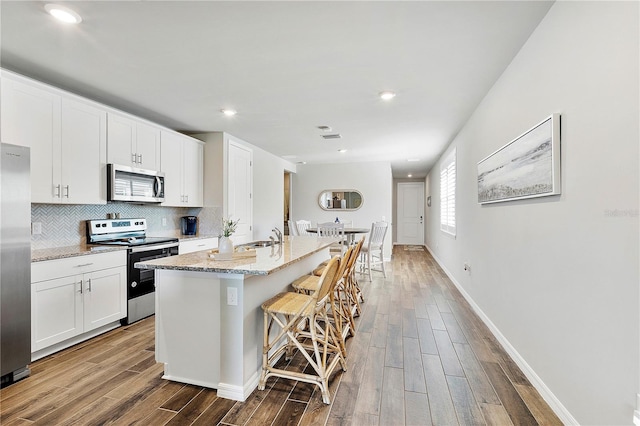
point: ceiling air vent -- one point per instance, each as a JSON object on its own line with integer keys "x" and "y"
{"x": 332, "y": 136}
{"x": 324, "y": 128}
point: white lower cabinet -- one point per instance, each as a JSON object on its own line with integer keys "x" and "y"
{"x": 197, "y": 245}
{"x": 74, "y": 296}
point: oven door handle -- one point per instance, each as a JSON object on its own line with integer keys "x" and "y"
{"x": 153, "y": 247}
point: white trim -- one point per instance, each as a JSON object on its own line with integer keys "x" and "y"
{"x": 73, "y": 341}
{"x": 555, "y": 404}
{"x": 238, "y": 393}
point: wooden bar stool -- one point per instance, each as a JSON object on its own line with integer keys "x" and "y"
{"x": 304, "y": 324}
{"x": 345, "y": 295}
{"x": 354, "y": 293}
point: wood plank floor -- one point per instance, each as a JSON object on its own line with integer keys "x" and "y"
{"x": 420, "y": 356}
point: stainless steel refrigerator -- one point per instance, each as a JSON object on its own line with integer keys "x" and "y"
{"x": 15, "y": 263}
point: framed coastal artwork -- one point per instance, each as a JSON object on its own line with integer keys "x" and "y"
{"x": 526, "y": 167}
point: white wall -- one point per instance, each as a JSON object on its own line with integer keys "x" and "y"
{"x": 372, "y": 179}
{"x": 558, "y": 276}
{"x": 268, "y": 192}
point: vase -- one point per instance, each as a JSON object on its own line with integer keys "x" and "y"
{"x": 225, "y": 248}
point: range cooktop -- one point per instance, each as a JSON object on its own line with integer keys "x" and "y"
{"x": 122, "y": 232}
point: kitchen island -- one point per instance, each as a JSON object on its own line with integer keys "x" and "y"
{"x": 209, "y": 323}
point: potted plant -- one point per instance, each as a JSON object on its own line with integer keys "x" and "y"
{"x": 225, "y": 245}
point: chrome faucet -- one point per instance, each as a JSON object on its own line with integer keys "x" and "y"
{"x": 278, "y": 234}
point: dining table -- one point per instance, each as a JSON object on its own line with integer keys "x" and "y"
{"x": 349, "y": 233}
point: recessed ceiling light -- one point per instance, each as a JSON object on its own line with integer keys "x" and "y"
{"x": 342, "y": 151}
{"x": 409, "y": 175}
{"x": 229, "y": 112}
{"x": 413, "y": 159}
{"x": 63, "y": 13}
{"x": 386, "y": 96}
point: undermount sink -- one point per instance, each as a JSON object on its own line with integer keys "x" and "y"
{"x": 266, "y": 243}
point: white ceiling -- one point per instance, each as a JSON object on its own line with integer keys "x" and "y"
{"x": 286, "y": 67}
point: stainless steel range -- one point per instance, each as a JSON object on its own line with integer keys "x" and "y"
{"x": 140, "y": 282}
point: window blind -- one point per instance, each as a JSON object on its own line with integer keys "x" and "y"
{"x": 448, "y": 194}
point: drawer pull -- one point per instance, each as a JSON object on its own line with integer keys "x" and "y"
{"x": 84, "y": 264}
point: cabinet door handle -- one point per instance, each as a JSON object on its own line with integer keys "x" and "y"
{"x": 57, "y": 193}
{"x": 186, "y": 198}
{"x": 89, "y": 284}
{"x": 81, "y": 285}
{"x": 134, "y": 158}
{"x": 139, "y": 158}
{"x": 67, "y": 189}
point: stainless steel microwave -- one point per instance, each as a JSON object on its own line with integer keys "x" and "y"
{"x": 126, "y": 183}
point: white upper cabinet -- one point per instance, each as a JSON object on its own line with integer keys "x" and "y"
{"x": 239, "y": 188}
{"x": 67, "y": 137}
{"x": 132, "y": 142}
{"x": 72, "y": 139}
{"x": 83, "y": 153}
{"x": 182, "y": 164}
{"x": 228, "y": 180}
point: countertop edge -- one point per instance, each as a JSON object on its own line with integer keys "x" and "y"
{"x": 237, "y": 271}
{"x": 55, "y": 253}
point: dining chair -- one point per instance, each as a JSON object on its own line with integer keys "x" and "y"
{"x": 302, "y": 226}
{"x": 301, "y": 321}
{"x": 347, "y": 223}
{"x": 372, "y": 253}
{"x": 333, "y": 230}
{"x": 293, "y": 229}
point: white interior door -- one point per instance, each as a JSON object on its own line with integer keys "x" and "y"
{"x": 410, "y": 213}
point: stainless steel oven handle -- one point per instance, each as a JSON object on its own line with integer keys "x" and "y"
{"x": 153, "y": 247}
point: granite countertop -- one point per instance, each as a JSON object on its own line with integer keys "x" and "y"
{"x": 267, "y": 260}
{"x": 54, "y": 253}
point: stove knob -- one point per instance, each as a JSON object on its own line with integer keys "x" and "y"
{"x": 134, "y": 284}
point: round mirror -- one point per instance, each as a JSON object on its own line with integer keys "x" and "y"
{"x": 340, "y": 199}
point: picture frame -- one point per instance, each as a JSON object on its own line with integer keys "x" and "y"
{"x": 526, "y": 167}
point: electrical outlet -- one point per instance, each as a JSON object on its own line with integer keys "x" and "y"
{"x": 232, "y": 296}
{"x": 36, "y": 228}
{"x": 164, "y": 221}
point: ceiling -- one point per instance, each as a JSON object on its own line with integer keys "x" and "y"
{"x": 286, "y": 67}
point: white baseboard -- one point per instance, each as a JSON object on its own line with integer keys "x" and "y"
{"x": 238, "y": 393}
{"x": 555, "y": 404}
{"x": 73, "y": 341}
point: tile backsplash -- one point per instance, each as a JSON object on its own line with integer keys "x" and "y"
{"x": 64, "y": 225}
